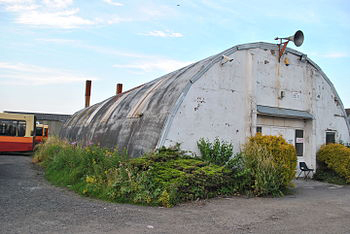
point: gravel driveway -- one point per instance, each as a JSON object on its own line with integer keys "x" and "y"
{"x": 29, "y": 204}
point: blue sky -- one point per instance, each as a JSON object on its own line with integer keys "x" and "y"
{"x": 48, "y": 48}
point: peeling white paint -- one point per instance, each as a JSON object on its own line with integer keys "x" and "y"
{"x": 255, "y": 77}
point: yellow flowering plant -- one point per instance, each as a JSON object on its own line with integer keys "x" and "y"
{"x": 272, "y": 162}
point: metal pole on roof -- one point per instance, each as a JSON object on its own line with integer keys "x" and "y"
{"x": 87, "y": 93}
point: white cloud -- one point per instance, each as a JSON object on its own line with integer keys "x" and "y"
{"x": 49, "y": 13}
{"x": 27, "y": 74}
{"x": 65, "y": 14}
{"x": 16, "y": 1}
{"x": 58, "y": 3}
{"x": 18, "y": 7}
{"x": 61, "y": 19}
{"x": 165, "y": 65}
{"x": 158, "y": 33}
{"x": 116, "y": 20}
{"x": 113, "y": 3}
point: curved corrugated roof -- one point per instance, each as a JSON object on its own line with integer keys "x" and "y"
{"x": 139, "y": 119}
{"x": 134, "y": 119}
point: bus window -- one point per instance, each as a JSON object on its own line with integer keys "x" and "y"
{"x": 12, "y": 128}
{"x": 8, "y": 127}
{"x": 5, "y": 127}
{"x": 39, "y": 131}
{"x": 2, "y": 128}
{"x": 21, "y": 128}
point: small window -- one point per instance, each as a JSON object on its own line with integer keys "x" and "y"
{"x": 39, "y": 131}
{"x": 2, "y": 129}
{"x": 299, "y": 142}
{"x": 21, "y": 128}
{"x": 330, "y": 137}
{"x": 258, "y": 129}
{"x": 299, "y": 133}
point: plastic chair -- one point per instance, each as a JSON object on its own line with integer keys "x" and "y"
{"x": 303, "y": 168}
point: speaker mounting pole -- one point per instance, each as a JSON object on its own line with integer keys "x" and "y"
{"x": 297, "y": 38}
{"x": 281, "y": 50}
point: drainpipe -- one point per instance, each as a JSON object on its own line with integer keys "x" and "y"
{"x": 87, "y": 93}
{"x": 119, "y": 88}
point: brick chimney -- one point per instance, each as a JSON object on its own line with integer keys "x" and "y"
{"x": 87, "y": 93}
{"x": 119, "y": 88}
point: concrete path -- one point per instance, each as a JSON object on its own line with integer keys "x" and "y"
{"x": 29, "y": 204}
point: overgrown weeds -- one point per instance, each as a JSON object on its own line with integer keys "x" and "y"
{"x": 218, "y": 152}
{"x": 165, "y": 177}
{"x": 168, "y": 176}
{"x": 83, "y": 170}
{"x": 265, "y": 167}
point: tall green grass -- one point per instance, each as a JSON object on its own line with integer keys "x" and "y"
{"x": 272, "y": 162}
{"x": 83, "y": 170}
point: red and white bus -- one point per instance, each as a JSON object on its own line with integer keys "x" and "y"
{"x": 17, "y": 132}
{"x": 41, "y": 133}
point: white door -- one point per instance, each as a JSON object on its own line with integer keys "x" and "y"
{"x": 286, "y": 133}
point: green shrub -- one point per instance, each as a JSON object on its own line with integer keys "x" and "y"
{"x": 165, "y": 177}
{"x": 241, "y": 174}
{"x": 337, "y": 158}
{"x": 272, "y": 162}
{"x": 218, "y": 152}
{"x": 325, "y": 174}
{"x": 168, "y": 176}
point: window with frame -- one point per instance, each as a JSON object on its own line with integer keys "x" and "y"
{"x": 330, "y": 137}
{"x": 39, "y": 131}
{"x": 21, "y": 128}
{"x": 299, "y": 142}
{"x": 259, "y": 129}
{"x": 12, "y": 128}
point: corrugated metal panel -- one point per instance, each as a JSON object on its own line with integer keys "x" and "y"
{"x": 117, "y": 122}
{"x": 281, "y": 112}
